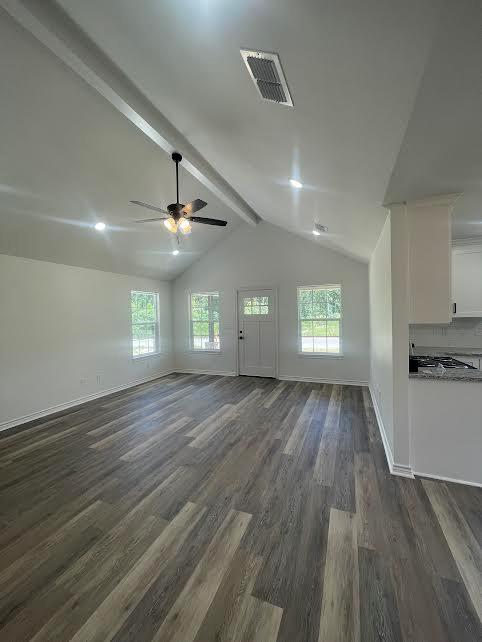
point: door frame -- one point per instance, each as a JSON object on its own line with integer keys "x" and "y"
{"x": 237, "y": 293}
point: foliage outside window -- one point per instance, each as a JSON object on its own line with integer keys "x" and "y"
{"x": 145, "y": 323}
{"x": 205, "y": 321}
{"x": 319, "y": 319}
{"x": 256, "y": 305}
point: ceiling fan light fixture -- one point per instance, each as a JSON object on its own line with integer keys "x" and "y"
{"x": 319, "y": 229}
{"x": 171, "y": 224}
{"x": 184, "y": 225}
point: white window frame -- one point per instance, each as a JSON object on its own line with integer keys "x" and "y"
{"x": 157, "y": 348}
{"x": 323, "y": 355}
{"x": 210, "y": 322}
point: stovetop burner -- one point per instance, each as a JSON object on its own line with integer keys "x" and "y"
{"x": 428, "y": 361}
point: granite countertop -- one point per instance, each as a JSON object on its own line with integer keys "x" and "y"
{"x": 448, "y": 374}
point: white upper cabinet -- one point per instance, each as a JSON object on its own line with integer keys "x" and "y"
{"x": 467, "y": 281}
{"x": 430, "y": 245}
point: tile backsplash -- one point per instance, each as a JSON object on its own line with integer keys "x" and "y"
{"x": 461, "y": 333}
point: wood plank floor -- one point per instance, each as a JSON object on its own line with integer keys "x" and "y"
{"x": 206, "y": 509}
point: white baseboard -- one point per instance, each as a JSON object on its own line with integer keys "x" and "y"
{"x": 79, "y": 401}
{"x": 341, "y": 382}
{"x": 220, "y": 373}
{"x": 395, "y": 469}
{"x": 453, "y": 480}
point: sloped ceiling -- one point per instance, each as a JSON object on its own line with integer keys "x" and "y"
{"x": 353, "y": 69}
{"x": 442, "y": 147}
{"x": 68, "y": 159}
{"x": 366, "y": 80}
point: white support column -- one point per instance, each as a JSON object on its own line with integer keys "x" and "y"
{"x": 400, "y": 337}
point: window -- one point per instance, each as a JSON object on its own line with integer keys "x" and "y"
{"x": 145, "y": 323}
{"x": 204, "y": 308}
{"x": 319, "y": 319}
{"x": 256, "y": 305}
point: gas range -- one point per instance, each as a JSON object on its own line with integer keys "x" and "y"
{"x": 426, "y": 361}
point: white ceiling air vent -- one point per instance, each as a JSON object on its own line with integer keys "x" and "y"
{"x": 267, "y": 74}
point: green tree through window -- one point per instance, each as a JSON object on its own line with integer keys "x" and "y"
{"x": 319, "y": 319}
{"x": 145, "y": 323}
{"x": 205, "y": 321}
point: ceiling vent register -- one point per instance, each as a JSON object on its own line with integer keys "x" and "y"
{"x": 267, "y": 74}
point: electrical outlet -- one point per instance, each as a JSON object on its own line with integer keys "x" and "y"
{"x": 99, "y": 379}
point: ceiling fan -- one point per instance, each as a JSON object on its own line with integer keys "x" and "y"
{"x": 179, "y": 216}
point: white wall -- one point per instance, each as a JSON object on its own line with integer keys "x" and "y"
{"x": 60, "y": 324}
{"x": 269, "y": 256}
{"x": 389, "y": 308}
{"x": 381, "y": 340}
{"x": 461, "y": 333}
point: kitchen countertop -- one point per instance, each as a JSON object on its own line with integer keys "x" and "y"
{"x": 448, "y": 374}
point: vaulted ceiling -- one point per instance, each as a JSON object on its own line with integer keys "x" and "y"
{"x": 366, "y": 79}
{"x": 69, "y": 160}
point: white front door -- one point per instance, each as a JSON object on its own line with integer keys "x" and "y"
{"x": 257, "y": 332}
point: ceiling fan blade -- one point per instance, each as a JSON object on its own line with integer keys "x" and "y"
{"x": 193, "y": 206}
{"x": 149, "y": 207}
{"x": 208, "y": 221}
{"x": 150, "y": 220}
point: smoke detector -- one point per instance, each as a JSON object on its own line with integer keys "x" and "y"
{"x": 267, "y": 74}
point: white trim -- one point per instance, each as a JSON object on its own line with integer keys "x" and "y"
{"x": 269, "y": 288}
{"x": 453, "y": 480}
{"x": 220, "y": 373}
{"x": 147, "y": 355}
{"x": 192, "y": 293}
{"x": 321, "y": 355}
{"x": 341, "y": 382}
{"x": 441, "y": 200}
{"x": 157, "y": 323}
{"x": 201, "y": 351}
{"x": 401, "y": 470}
{"x": 324, "y": 286}
{"x": 79, "y": 401}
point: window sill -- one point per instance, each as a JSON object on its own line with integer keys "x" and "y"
{"x": 146, "y": 356}
{"x": 193, "y": 351}
{"x": 321, "y": 355}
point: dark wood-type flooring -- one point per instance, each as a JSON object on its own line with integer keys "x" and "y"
{"x": 205, "y": 509}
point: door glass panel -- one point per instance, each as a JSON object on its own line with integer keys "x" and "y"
{"x": 255, "y": 305}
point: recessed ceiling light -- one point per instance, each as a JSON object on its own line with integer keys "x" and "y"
{"x": 316, "y": 233}
{"x": 100, "y": 227}
{"x": 175, "y": 252}
{"x": 295, "y": 183}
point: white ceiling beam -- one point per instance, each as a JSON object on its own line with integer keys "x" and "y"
{"x": 51, "y": 25}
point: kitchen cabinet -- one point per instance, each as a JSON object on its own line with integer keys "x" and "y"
{"x": 430, "y": 250}
{"x": 467, "y": 281}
